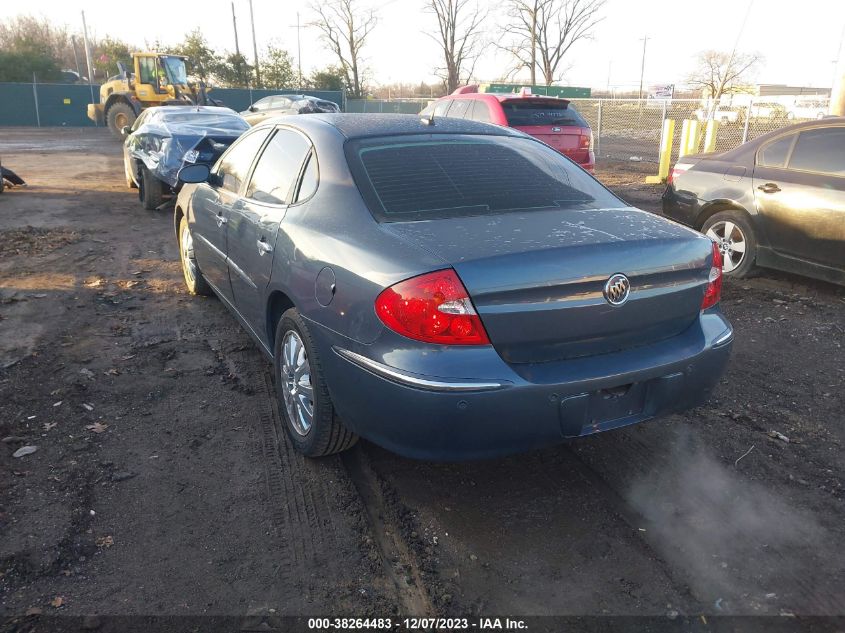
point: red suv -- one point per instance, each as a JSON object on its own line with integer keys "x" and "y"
{"x": 554, "y": 121}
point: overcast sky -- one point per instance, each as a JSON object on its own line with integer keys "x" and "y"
{"x": 799, "y": 40}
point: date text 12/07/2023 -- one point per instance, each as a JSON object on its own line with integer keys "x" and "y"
{"x": 417, "y": 624}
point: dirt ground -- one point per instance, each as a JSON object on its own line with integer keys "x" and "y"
{"x": 159, "y": 485}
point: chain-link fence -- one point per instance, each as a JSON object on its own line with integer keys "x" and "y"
{"x": 631, "y": 129}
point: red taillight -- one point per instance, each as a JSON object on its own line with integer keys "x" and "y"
{"x": 433, "y": 308}
{"x": 713, "y": 292}
{"x": 586, "y": 141}
{"x": 677, "y": 170}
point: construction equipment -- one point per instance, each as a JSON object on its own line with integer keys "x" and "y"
{"x": 158, "y": 79}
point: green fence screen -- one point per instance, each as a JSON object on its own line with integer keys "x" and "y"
{"x": 52, "y": 105}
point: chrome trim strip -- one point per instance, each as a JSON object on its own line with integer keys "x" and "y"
{"x": 726, "y": 336}
{"x": 213, "y": 248}
{"x": 241, "y": 273}
{"x": 411, "y": 380}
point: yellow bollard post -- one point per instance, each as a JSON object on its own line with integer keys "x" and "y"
{"x": 684, "y": 147}
{"x": 692, "y": 139}
{"x": 666, "y": 140}
{"x": 710, "y": 136}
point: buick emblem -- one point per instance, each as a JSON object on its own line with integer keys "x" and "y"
{"x": 617, "y": 289}
{"x": 555, "y": 129}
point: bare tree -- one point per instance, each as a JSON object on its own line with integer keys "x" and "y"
{"x": 540, "y": 33}
{"x": 344, "y": 28}
{"x": 719, "y": 73}
{"x": 459, "y": 24}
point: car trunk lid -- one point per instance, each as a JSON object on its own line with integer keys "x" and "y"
{"x": 537, "y": 279}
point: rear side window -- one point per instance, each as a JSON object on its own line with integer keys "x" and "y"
{"x": 419, "y": 178}
{"x": 310, "y": 177}
{"x": 775, "y": 153}
{"x": 278, "y": 168}
{"x": 480, "y": 112}
{"x": 820, "y": 150}
{"x": 522, "y": 112}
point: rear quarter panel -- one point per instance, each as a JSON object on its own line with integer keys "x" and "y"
{"x": 335, "y": 229}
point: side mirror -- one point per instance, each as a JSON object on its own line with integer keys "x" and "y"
{"x": 126, "y": 130}
{"x": 194, "y": 173}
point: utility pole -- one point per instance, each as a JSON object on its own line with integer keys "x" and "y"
{"x": 235, "y": 27}
{"x": 239, "y": 61}
{"x": 534, "y": 45}
{"x": 298, "y": 48}
{"x": 75, "y": 56}
{"x": 88, "y": 58}
{"x": 642, "y": 66}
{"x": 254, "y": 46}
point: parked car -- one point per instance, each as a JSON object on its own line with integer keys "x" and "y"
{"x": 450, "y": 290}
{"x": 768, "y": 110}
{"x": 278, "y": 105}
{"x": 550, "y": 119}
{"x": 813, "y": 109}
{"x": 722, "y": 115}
{"x": 163, "y": 139}
{"x": 777, "y": 201}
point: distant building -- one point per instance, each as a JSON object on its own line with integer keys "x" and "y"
{"x": 776, "y": 90}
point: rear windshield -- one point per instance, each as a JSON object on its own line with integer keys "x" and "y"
{"x": 423, "y": 177}
{"x": 520, "y": 112}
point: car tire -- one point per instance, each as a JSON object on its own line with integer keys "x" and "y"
{"x": 730, "y": 229}
{"x": 299, "y": 382}
{"x": 119, "y": 116}
{"x": 194, "y": 281}
{"x": 151, "y": 191}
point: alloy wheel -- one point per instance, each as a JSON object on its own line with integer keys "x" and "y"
{"x": 296, "y": 383}
{"x": 189, "y": 264}
{"x": 731, "y": 241}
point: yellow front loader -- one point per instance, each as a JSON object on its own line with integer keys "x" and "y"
{"x": 158, "y": 79}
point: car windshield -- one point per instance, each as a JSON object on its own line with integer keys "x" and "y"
{"x": 218, "y": 121}
{"x": 424, "y": 177}
{"x": 175, "y": 67}
{"x": 522, "y": 112}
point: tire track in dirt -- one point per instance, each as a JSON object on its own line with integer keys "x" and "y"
{"x": 304, "y": 514}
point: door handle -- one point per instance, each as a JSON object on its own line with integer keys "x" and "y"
{"x": 221, "y": 220}
{"x": 263, "y": 247}
{"x": 769, "y": 187}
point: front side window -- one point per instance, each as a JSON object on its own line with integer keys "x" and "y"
{"x": 441, "y": 108}
{"x": 775, "y": 153}
{"x": 420, "y": 177}
{"x": 821, "y": 150}
{"x": 262, "y": 104}
{"x": 235, "y": 163}
{"x": 459, "y": 108}
{"x": 278, "y": 168}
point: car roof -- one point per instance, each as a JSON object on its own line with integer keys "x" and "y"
{"x": 181, "y": 109}
{"x": 503, "y": 96}
{"x": 746, "y": 150}
{"x": 354, "y": 126}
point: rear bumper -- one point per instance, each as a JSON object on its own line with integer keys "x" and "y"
{"x": 455, "y": 418}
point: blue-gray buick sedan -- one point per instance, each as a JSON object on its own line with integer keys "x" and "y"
{"x": 448, "y": 289}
